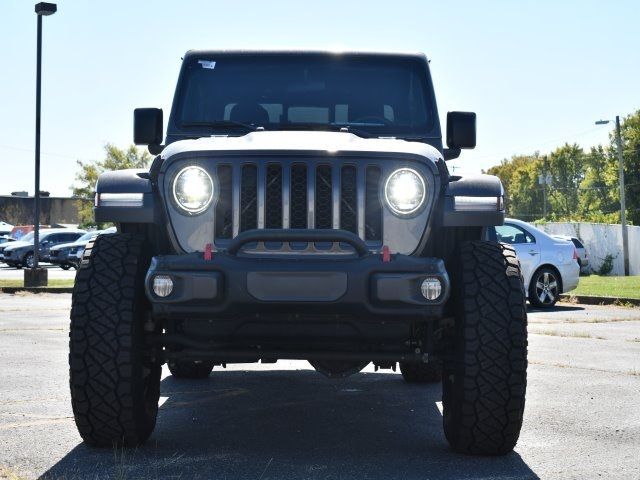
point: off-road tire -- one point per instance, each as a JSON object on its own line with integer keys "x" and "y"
{"x": 421, "y": 372}
{"x": 190, "y": 369}
{"x": 484, "y": 387}
{"x": 115, "y": 384}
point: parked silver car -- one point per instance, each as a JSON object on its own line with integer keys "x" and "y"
{"x": 549, "y": 265}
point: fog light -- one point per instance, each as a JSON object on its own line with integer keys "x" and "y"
{"x": 162, "y": 285}
{"x": 431, "y": 288}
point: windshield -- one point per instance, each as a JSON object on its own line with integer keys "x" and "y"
{"x": 374, "y": 95}
{"x": 27, "y": 238}
{"x": 87, "y": 236}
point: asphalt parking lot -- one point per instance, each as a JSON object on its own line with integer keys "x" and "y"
{"x": 278, "y": 421}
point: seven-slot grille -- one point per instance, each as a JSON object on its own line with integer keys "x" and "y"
{"x": 298, "y": 195}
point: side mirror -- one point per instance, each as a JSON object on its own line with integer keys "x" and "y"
{"x": 147, "y": 127}
{"x": 461, "y": 130}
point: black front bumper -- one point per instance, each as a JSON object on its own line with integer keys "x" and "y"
{"x": 230, "y": 285}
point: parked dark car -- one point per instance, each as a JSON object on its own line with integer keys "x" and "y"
{"x": 20, "y": 253}
{"x": 65, "y": 254}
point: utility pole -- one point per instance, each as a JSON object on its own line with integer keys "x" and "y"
{"x": 544, "y": 179}
{"x": 623, "y": 213}
{"x": 544, "y": 188}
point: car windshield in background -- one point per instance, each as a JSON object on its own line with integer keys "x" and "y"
{"x": 27, "y": 238}
{"x": 87, "y": 236}
{"x": 234, "y": 94}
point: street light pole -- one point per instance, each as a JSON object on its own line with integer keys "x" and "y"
{"x": 36, "y": 223}
{"x": 35, "y": 278}
{"x": 623, "y": 213}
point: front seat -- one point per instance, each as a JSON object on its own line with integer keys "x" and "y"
{"x": 250, "y": 113}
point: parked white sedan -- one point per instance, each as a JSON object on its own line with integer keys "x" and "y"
{"x": 549, "y": 265}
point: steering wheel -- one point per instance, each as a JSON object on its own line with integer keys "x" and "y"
{"x": 372, "y": 119}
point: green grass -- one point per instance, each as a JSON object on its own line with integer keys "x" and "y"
{"x": 622, "y": 287}
{"x": 60, "y": 283}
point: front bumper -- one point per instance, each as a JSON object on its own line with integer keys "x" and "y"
{"x": 361, "y": 286}
{"x": 59, "y": 259}
{"x": 12, "y": 259}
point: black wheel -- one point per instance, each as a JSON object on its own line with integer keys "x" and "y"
{"x": 544, "y": 288}
{"x": 484, "y": 387}
{"x": 190, "y": 369}
{"x": 421, "y": 372}
{"x": 28, "y": 260}
{"x": 65, "y": 266}
{"x": 115, "y": 381}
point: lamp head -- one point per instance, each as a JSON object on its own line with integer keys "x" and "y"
{"x": 46, "y": 9}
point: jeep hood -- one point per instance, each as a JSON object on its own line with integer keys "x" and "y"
{"x": 302, "y": 141}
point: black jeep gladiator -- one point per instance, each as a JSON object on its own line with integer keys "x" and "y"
{"x": 300, "y": 207}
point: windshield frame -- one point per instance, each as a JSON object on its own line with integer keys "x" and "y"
{"x": 431, "y": 134}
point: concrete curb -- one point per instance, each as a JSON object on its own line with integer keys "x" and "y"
{"x": 36, "y": 289}
{"x": 595, "y": 300}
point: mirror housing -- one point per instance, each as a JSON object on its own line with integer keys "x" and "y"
{"x": 147, "y": 127}
{"x": 461, "y": 130}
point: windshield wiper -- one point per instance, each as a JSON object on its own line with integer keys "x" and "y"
{"x": 221, "y": 124}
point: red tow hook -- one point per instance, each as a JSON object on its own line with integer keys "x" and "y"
{"x": 386, "y": 254}
{"x": 208, "y": 254}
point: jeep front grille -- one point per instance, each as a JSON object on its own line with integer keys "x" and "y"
{"x": 299, "y": 195}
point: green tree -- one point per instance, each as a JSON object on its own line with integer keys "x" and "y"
{"x": 519, "y": 176}
{"x": 584, "y": 185}
{"x": 599, "y": 199}
{"x": 630, "y": 132}
{"x": 566, "y": 166}
{"x": 87, "y": 176}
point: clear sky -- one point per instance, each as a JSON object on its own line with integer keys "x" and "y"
{"x": 537, "y": 73}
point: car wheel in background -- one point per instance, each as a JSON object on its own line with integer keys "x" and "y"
{"x": 27, "y": 261}
{"x": 65, "y": 267}
{"x": 544, "y": 288}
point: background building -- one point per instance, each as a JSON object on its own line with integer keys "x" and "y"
{"x": 18, "y": 209}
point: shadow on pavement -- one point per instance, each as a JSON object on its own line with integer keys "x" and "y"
{"x": 293, "y": 424}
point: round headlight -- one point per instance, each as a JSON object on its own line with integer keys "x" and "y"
{"x": 193, "y": 189}
{"x": 405, "y": 191}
